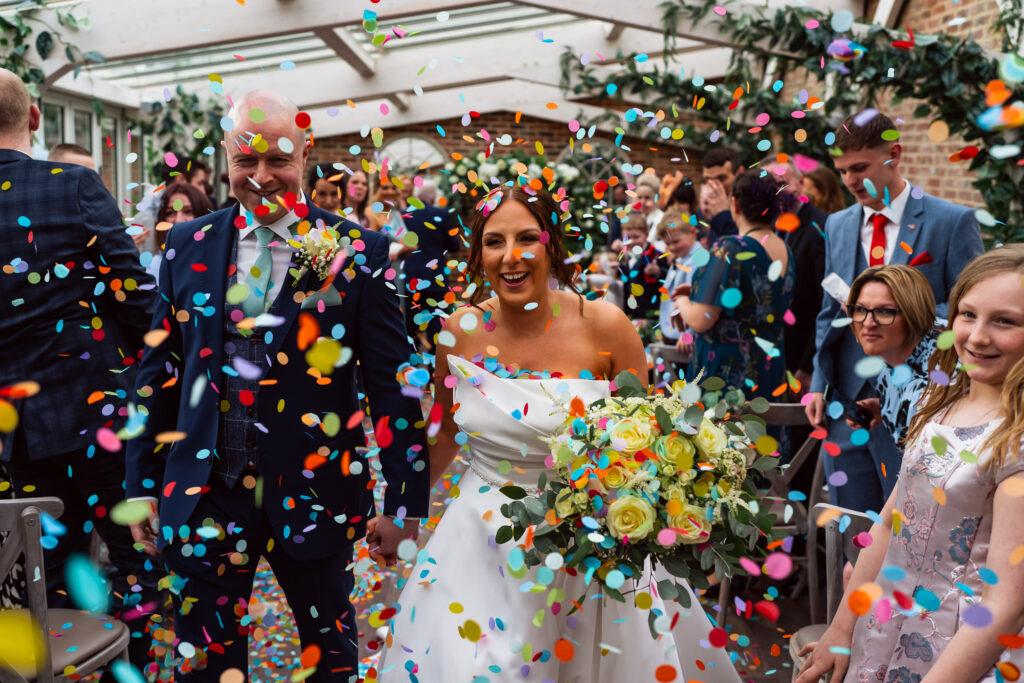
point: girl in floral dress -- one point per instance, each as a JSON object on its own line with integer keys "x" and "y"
{"x": 938, "y": 594}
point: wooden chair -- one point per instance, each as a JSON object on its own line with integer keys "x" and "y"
{"x": 798, "y": 522}
{"x": 78, "y": 642}
{"x": 837, "y": 545}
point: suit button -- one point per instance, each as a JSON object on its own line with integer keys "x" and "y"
{"x": 250, "y": 411}
{"x": 250, "y": 444}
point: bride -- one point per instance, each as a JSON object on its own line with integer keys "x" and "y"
{"x": 469, "y": 611}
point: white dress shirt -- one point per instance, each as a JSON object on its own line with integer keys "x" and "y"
{"x": 280, "y": 251}
{"x": 894, "y": 212}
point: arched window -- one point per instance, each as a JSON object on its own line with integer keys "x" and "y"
{"x": 602, "y": 161}
{"x": 408, "y": 153}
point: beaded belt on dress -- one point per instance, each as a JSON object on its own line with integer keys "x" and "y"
{"x": 498, "y": 483}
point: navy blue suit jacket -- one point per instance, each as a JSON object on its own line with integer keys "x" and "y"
{"x": 434, "y": 242}
{"x": 326, "y": 506}
{"x": 74, "y": 304}
{"x": 947, "y": 231}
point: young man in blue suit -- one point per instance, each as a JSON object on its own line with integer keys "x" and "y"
{"x": 892, "y": 222}
{"x": 74, "y": 306}
{"x": 252, "y": 441}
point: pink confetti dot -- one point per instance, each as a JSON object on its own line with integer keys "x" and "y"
{"x": 763, "y": 118}
{"x": 799, "y": 115}
{"x": 666, "y": 537}
{"x": 812, "y": 24}
{"x": 752, "y": 567}
{"x": 719, "y": 10}
{"x": 883, "y": 610}
{"x": 574, "y": 125}
{"x": 778, "y": 565}
{"x": 863, "y": 540}
{"x": 108, "y": 440}
{"x": 384, "y": 109}
{"x": 171, "y": 159}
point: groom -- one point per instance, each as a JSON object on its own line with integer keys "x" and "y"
{"x": 252, "y": 437}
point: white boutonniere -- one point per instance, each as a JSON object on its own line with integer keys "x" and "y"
{"x": 317, "y": 251}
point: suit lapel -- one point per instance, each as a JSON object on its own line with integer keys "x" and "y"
{"x": 214, "y": 280}
{"x": 910, "y": 228}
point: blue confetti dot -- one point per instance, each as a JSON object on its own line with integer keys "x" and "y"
{"x": 614, "y": 579}
{"x": 611, "y": 88}
{"x": 859, "y": 437}
{"x": 830, "y": 138}
{"x": 834, "y": 410}
{"x": 777, "y": 86}
{"x": 631, "y": 115}
{"x": 894, "y": 573}
{"x": 926, "y": 599}
{"x": 988, "y": 576}
{"x": 24, "y": 221}
{"x": 287, "y": 65}
{"x": 901, "y": 374}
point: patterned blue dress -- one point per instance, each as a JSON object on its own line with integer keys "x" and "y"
{"x": 745, "y": 347}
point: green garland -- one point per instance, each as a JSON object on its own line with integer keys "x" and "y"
{"x": 169, "y": 125}
{"x": 947, "y": 74}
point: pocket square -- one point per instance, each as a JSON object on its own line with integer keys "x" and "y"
{"x": 328, "y": 296}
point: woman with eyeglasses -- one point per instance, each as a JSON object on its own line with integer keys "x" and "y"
{"x": 893, "y": 313}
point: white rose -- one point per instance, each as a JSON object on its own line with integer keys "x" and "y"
{"x": 710, "y": 440}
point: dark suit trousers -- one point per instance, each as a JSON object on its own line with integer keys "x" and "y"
{"x": 219, "y": 574}
{"x": 76, "y": 479}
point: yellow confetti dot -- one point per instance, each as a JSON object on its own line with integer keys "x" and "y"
{"x": 897, "y": 522}
{"x": 471, "y": 631}
{"x": 938, "y": 131}
{"x": 939, "y": 495}
{"x": 456, "y": 608}
{"x": 1017, "y": 555}
{"x": 644, "y": 600}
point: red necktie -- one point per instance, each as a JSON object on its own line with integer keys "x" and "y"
{"x": 876, "y": 255}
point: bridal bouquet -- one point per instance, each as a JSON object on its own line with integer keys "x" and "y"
{"x": 666, "y": 478}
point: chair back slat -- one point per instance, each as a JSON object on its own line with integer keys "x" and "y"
{"x": 785, "y": 414}
{"x": 11, "y": 509}
{"x": 839, "y": 545}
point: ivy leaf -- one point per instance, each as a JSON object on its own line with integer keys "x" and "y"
{"x": 44, "y": 44}
{"x": 513, "y": 492}
{"x": 95, "y": 56}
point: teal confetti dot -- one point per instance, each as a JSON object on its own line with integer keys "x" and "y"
{"x": 287, "y": 65}
{"x": 901, "y": 374}
{"x": 894, "y": 573}
{"x": 700, "y": 258}
{"x": 530, "y": 306}
{"x": 927, "y": 600}
{"x": 24, "y": 221}
{"x": 988, "y": 576}
{"x": 516, "y": 558}
{"x": 830, "y": 138}
{"x": 611, "y": 88}
{"x": 834, "y": 410}
{"x": 859, "y": 437}
{"x": 870, "y": 366}
{"x": 124, "y": 672}
{"x": 87, "y": 585}
{"x": 764, "y": 145}
{"x": 731, "y": 298}
{"x": 614, "y": 579}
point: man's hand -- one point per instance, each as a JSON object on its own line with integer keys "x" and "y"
{"x": 815, "y": 410}
{"x": 144, "y": 532}
{"x": 383, "y": 536}
{"x": 716, "y": 200}
{"x": 669, "y": 184}
{"x": 873, "y": 406}
{"x": 652, "y": 270}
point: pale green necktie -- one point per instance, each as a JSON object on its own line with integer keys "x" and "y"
{"x": 258, "y": 278}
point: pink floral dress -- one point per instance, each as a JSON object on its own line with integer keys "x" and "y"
{"x": 934, "y": 569}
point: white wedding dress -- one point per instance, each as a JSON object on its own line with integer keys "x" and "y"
{"x": 462, "y": 617}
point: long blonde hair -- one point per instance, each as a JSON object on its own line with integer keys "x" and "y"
{"x": 1005, "y": 441}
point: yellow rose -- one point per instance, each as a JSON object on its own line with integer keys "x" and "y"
{"x": 710, "y": 440}
{"x": 675, "y": 449}
{"x": 581, "y": 500}
{"x": 675, "y": 492}
{"x": 691, "y": 525}
{"x": 630, "y": 516}
{"x": 564, "y": 503}
{"x": 616, "y": 477}
{"x": 631, "y": 435}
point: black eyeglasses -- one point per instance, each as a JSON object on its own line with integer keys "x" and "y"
{"x": 882, "y": 316}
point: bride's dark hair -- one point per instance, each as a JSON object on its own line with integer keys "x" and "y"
{"x": 542, "y": 206}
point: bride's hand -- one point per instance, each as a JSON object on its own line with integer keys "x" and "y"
{"x": 822, "y": 659}
{"x": 371, "y": 526}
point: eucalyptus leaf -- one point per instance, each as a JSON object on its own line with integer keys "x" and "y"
{"x": 503, "y": 535}
{"x": 664, "y": 420}
{"x": 513, "y": 492}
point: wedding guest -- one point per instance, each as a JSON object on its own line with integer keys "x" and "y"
{"x": 891, "y": 223}
{"x": 823, "y": 189}
{"x": 647, "y": 187}
{"x": 406, "y": 189}
{"x": 384, "y": 213}
{"x": 938, "y": 584}
{"x": 893, "y": 312}
{"x": 677, "y": 192}
{"x": 807, "y": 243}
{"x": 355, "y": 192}
{"x": 680, "y": 236}
{"x": 720, "y": 166}
{"x": 604, "y": 277}
{"x": 323, "y": 186}
{"x": 180, "y": 203}
{"x": 737, "y": 305}
{"x": 68, "y": 153}
{"x": 77, "y": 332}
{"x": 645, "y": 269}
{"x": 423, "y": 265}
{"x": 251, "y": 473}
{"x": 619, "y": 209}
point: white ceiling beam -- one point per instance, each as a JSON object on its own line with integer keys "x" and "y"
{"x": 614, "y": 31}
{"x": 87, "y": 85}
{"x": 887, "y": 13}
{"x": 529, "y": 98}
{"x": 460, "y": 64}
{"x": 116, "y": 23}
{"x": 400, "y": 100}
{"x": 346, "y": 47}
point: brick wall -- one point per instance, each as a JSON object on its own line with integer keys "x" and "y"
{"x": 526, "y": 132}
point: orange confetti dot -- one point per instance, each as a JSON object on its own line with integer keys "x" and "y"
{"x": 310, "y": 656}
{"x": 939, "y": 495}
{"x": 309, "y": 331}
{"x": 1017, "y": 555}
{"x": 859, "y": 602}
{"x": 787, "y": 222}
{"x": 95, "y": 396}
{"x": 551, "y": 105}
{"x": 666, "y": 673}
{"x": 1009, "y": 671}
{"x": 1012, "y": 641}
{"x": 564, "y": 650}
